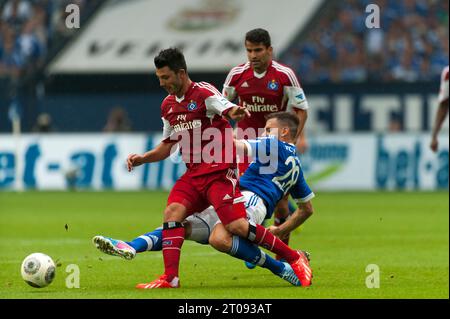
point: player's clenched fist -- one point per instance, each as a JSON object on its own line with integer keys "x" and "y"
{"x": 134, "y": 160}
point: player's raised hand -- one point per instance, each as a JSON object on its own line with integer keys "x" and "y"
{"x": 133, "y": 160}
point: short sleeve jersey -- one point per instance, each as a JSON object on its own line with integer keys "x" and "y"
{"x": 278, "y": 89}
{"x": 274, "y": 172}
{"x": 195, "y": 121}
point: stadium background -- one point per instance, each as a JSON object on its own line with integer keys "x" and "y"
{"x": 83, "y": 99}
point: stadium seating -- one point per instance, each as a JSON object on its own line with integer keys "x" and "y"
{"x": 30, "y": 30}
{"x": 411, "y": 44}
{"x": 335, "y": 46}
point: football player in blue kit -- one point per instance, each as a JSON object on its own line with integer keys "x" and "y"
{"x": 274, "y": 173}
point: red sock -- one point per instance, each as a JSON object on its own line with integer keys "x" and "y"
{"x": 266, "y": 239}
{"x": 286, "y": 239}
{"x": 278, "y": 222}
{"x": 172, "y": 240}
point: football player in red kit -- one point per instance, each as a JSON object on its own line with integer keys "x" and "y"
{"x": 193, "y": 120}
{"x": 264, "y": 86}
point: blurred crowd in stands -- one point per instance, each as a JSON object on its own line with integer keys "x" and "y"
{"x": 410, "y": 45}
{"x": 28, "y": 30}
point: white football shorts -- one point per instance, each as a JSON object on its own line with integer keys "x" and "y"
{"x": 203, "y": 223}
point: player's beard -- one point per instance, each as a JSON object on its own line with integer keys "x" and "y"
{"x": 256, "y": 64}
{"x": 173, "y": 89}
{"x": 177, "y": 87}
{"x": 177, "y": 90}
{"x": 259, "y": 66}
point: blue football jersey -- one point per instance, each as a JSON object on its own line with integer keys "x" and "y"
{"x": 274, "y": 172}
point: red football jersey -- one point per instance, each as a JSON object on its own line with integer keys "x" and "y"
{"x": 195, "y": 121}
{"x": 275, "y": 90}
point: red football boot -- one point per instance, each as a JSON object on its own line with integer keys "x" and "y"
{"x": 302, "y": 269}
{"x": 161, "y": 282}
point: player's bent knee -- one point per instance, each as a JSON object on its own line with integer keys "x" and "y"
{"x": 174, "y": 212}
{"x": 220, "y": 243}
{"x": 220, "y": 239}
{"x": 238, "y": 227}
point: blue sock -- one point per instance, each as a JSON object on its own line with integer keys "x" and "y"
{"x": 148, "y": 241}
{"x": 245, "y": 250}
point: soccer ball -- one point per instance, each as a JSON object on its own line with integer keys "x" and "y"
{"x": 38, "y": 270}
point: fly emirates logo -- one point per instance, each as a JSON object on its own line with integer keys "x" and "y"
{"x": 186, "y": 125}
{"x": 258, "y": 105}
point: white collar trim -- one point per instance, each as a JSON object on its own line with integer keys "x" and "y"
{"x": 259, "y": 75}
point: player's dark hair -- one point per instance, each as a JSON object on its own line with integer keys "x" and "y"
{"x": 286, "y": 119}
{"x": 172, "y": 58}
{"x": 258, "y": 36}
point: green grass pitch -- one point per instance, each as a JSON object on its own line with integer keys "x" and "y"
{"x": 404, "y": 233}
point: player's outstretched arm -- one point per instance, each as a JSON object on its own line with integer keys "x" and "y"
{"x": 159, "y": 153}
